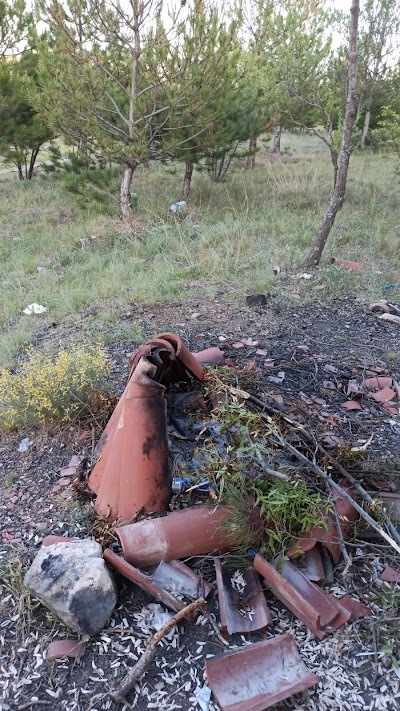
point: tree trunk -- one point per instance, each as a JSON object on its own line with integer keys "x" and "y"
{"x": 125, "y": 199}
{"x": 20, "y": 171}
{"x": 339, "y": 191}
{"x": 276, "y": 148}
{"x": 251, "y": 159}
{"x": 365, "y": 130}
{"x": 187, "y": 180}
{"x": 34, "y": 155}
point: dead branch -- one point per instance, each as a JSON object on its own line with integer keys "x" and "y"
{"x": 336, "y": 465}
{"x": 320, "y": 472}
{"x": 138, "y": 670}
{"x": 346, "y": 557}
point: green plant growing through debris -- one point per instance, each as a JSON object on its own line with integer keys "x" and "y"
{"x": 287, "y": 504}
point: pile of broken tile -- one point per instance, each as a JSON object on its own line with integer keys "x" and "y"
{"x": 131, "y": 478}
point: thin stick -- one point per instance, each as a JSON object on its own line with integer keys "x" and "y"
{"x": 214, "y": 626}
{"x": 310, "y": 439}
{"x": 346, "y": 556}
{"x": 136, "y": 672}
{"x": 317, "y": 470}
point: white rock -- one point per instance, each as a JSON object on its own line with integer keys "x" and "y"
{"x": 72, "y": 580}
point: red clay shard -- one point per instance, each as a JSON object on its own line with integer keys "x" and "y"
{"x": 311, "y": 565}
{"x": 356, "y": 608}
{"x": 319, "y": 611}
{"x": 210, "y": 356}
{"x": 132, "y": 472}
{"x": 65, "y": 648}
{"x": 390, "y": 575}
{"x": 243, "y": 607}
{"x": 180, "y": 534}
{"x": 347, "y": 264}
{"x": 258, "y": 676}
{"x": 146, "y": 582}
{"x": 328, "y": 536}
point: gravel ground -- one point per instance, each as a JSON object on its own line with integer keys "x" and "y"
{"x": 356, "y": 665}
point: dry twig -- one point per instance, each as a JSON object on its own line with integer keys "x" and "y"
{"x": 136, "y": 672}
{"x": 395, "y": 536}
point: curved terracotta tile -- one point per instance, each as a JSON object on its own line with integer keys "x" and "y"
{"x": 132, "y": 472}
{"x": 180, "y": 534}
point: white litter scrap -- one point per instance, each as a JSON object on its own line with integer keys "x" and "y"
{"x": 25, "y": 444}
{"x": 238, "y": 582}
{"x": 35, "y": 309}
{"x": 153, "y": 616}
{"x": 203, "y": 697}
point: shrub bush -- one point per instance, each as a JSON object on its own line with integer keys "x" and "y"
{"x": 50, "y": 388}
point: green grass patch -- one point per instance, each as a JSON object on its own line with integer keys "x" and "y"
{"x": 99, "y": 268}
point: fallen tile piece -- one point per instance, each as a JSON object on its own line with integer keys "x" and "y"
{"x": 242, "y": 611}
{"x": 65, "y": 648}
{"x": 380, "y": 307}
{"x": 351, "y": 405}
{"x": 311, "y": 565}
{"x": 347, "y": 264}
{"x": 291, "y": 598}
{"x": 193, "y": 531}
{"x": 50, "y": 540}
{"x": 378, "y": 382}
{"x": 238, "y": 345}
{"x": 390, "y": 317}
{"x": 384, "y": 395}
{"x": 390, "y": 575}
{"x": 355, "y": 607}
{"x": 145, "y": 582}
{"x": 178, "y": 578}
{"x": 258, "y": 676}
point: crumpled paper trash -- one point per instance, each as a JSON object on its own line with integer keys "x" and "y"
{"x": 203, "y": 697}
{"x": 35, "y": 309}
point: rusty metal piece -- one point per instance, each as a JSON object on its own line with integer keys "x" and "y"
{"x": 132, "y": 472}
{"x": 258, "y": 676}
{"x": 146, "y": 582}
{"x": 180, "y": 534}
{"x": 244, "y": 612}
{"x": 176, "y": 577}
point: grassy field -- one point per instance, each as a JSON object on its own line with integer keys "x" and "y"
{"x": 230, "y": 237}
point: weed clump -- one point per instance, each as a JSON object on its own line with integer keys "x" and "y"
{"x": 54, "y": 388}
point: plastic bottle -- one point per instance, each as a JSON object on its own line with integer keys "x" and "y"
{"x": 178, "y": 206}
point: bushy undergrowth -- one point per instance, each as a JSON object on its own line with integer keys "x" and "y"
{"x": 288, "y": 506}
{"x": 51, "y": 388}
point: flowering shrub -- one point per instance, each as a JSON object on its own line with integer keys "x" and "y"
{"x": 54, "y": 388}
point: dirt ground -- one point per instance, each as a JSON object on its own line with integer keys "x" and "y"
{"x": 319, "y": 350}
